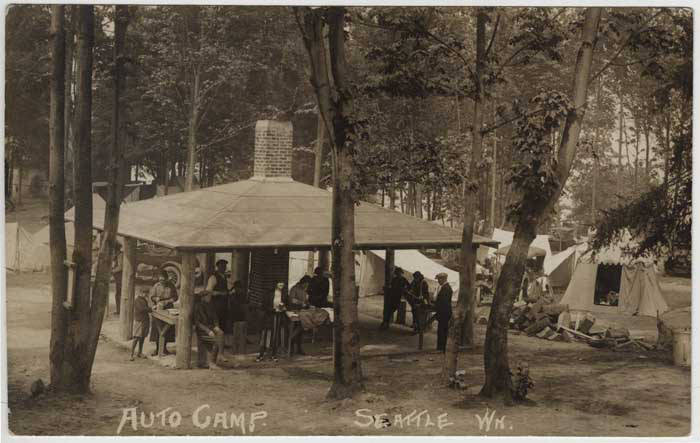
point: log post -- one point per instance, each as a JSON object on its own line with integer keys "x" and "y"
{"x": 126, "y": 313}
{"x": 240, "y": 264}
{"x": 388, "y": 271}
{"x": 184, "y": 323}
{"x": 209, "y": 265}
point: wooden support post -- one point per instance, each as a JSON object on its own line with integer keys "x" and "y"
{"x": 240, "y": 266}
{"x": 324, "y": 259}
{"x": 126, "y": 312}
{"x": 209, "y": 266}
{"x": 184, "y": 323}
{"x": 388, "y": 267}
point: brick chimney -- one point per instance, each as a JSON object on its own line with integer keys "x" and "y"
{"x": 273, "y": 149}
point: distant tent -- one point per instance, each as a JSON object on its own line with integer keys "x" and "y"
{"x": 19, "y": 248}
{"x": 559, "y": 268}
{"x": 611, "y": 270}
{"x": 371, "y": 279}
{"x": 505, "y": 238}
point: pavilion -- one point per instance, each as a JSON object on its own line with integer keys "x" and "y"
{"x": 259, "y": 220}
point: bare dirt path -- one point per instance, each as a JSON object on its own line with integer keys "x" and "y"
{"x": 579, "y": 391}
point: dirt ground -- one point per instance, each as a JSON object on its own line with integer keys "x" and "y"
{"x": 578, "y": 390}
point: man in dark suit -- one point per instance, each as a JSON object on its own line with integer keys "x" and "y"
{"x": 319, "y": 289}
{"x": 443, "y": 309}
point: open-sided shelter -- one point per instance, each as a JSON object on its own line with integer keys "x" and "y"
{"x": 260, "y": 221}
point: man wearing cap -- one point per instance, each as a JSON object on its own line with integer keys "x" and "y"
{"x": 208, "y": 327}
{"x": 217, "y": 284}
{"x": 162, "y": 295}
{"x": 398, "y": 288}
{"x": 443, "y": 309}
{"x": 419, "y": 293}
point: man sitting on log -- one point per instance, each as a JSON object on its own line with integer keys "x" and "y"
{"x": 209, "y": 332}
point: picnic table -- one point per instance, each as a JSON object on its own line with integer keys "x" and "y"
{"x": 295, "y": 326}
{"x": 168, "y": 321}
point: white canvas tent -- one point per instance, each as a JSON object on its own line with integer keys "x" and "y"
{"x": 371, "y": 275}
{"x": 505, "y": 238}
{"x": 639, "y": 290}
{"x": 19, "y": 250}
{"x": 559, "y": 268}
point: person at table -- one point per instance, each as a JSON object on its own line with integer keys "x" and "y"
{"x": 398, "y": 288}
{"x": 162, "y": 296}
{"x": 298, "y": 296}
{"x": 217, "y": 284}
{"x": 418, "y": 294}
{"x": 319, "y": 288}
{"x": 141, "y": 322}
{"x": 443, "y": 309}
{"x": 272, "y": 307}
{"x": 208, "y": 327}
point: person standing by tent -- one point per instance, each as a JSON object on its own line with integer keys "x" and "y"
{"x": 418, "y": 294}
{"x": 117, "y": 274}
{"x": 398, "y": 288}
{"x": 443, "y": 309}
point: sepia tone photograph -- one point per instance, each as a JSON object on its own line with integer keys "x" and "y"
{"x": 235, "y": 220}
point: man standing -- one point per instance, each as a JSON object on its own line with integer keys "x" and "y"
{"x": 217, "y": 284}
{"x": 162, "y": 296}
{"x": 398, "y": 288}
{"x": 419, "y": 294}
{"x": 117, "y": 274}
{"x": 443, "y": 309}
{"x": 319, "y": 288}
{"x": 208, "y": 326}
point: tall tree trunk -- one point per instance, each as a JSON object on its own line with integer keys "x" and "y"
{"x": 318, "y": 159}
{"x": 646, "y": 151}
{"x": 68, "y": 103}
{"x": 192, "y": 132}
{"x": 621, "y": 124}
{"x": 115, "y": 179}
{"x": 76, "y": 368}
{"x": 336, "y": 105}
{"x": 57, "y": 227}
{"x": 496, "y": 364}
{"x": 462, "y": 321}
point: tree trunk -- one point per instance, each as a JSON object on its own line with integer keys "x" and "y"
{"x": 57, "y": 227}
{"x": 183, "y": 353}
{"x": 100, "y": 293}
{"x": 192, "y": 133}
{"x": 68, "y": 104}
{"x": 619, "y": 141}
{"x": 496, "y": 364}
{"x": 462, "y": 321}
{"x": 320, "y": 131}
{"x": 646, "y": 151}
{"x": 76, "y": 368}
{"x": 336, "y": 105}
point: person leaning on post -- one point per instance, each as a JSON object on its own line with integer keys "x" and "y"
{"x": 208, "y": 328}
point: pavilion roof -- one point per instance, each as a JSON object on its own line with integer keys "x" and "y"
{"x": 264, "y": 213}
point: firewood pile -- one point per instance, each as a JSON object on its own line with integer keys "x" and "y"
{"x": 552, "y": 321}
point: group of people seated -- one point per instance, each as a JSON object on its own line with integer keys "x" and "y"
{"x": 417, "y": 295}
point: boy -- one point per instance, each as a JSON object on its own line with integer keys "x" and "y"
{"x": 141, "y": 322}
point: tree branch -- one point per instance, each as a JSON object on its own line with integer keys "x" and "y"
{"x": 641, "y": 28}
{"x": 493, "y": 35}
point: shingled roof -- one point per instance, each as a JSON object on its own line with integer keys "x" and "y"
{"x": 268, "y": 213}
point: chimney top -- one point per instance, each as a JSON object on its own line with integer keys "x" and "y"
{"x": 273, "y": 150}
